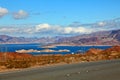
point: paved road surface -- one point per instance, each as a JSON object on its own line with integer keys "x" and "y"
{"x": 102, "y": 70}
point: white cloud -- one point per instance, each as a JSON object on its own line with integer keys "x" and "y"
{"x": 67, "y": 30}
{"x": 3, "y": 12}
{"x": 21, "y": 14}
{"x": 82, "y": 30}
{"x": 9, "y": 31}
{"x": 55, "y": 29}
{"x": 102, "y": 24}
{"x": 45, "y": 29}
{"x": 42, "y": 27}
{"x": 28, "y": 30}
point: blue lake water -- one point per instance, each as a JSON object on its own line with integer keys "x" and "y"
{"x": 73, "y": 49}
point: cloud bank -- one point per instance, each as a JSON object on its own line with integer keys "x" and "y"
{"x": 55, "y": 30}
{"x": 45, "y": 29}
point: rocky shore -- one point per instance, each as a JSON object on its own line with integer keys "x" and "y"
{"x": 45, "y": 50}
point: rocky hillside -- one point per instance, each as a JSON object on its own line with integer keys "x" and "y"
{"x": 97, "y": 54}
{"x": 23, "y": 60}
{"x": 115, "y": 34}
{"x": 97, "y": 38}
{"x": 10, "y": 39}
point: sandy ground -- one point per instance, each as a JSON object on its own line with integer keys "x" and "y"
{"x": 100, "y": 70}
{"x": 4, "y": 70}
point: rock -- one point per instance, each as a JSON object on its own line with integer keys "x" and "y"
{"x": 93, "y": 51}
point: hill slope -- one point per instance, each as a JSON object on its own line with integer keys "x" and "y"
{"x": 97, "y": 38}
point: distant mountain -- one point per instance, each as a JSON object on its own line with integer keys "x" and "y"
{"x": 9, "y": 39}
{"x": 115, "y": 34}
{"x": 4, "y": 38}
{"x": 98, "y": 38}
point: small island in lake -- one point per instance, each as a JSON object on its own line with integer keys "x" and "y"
{"x": 45, "y": 50}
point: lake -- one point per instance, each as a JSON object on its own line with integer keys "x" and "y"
{"x": 72, "y": 49}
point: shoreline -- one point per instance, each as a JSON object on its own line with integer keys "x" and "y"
{"x": 58, "y": 44}
{"x": 55, "y": 45}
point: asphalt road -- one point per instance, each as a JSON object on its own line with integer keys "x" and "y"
{"x": 101, "y": 70}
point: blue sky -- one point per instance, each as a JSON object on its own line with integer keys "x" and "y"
{"x": 61, "y": 17}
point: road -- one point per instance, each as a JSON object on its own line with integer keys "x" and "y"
{"x": 100, "y": 70}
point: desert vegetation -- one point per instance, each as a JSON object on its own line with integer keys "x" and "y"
{"x": 15, "y": 60}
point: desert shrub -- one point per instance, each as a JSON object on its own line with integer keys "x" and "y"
{"x": 18, "y": 64}
{"x": 2, "y": 63}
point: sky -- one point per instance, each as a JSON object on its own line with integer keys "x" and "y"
{"x": 38, "y": 18}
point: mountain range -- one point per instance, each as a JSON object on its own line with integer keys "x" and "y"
{"x": 97, "y": 38}
{"x": 5, "y": 39}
